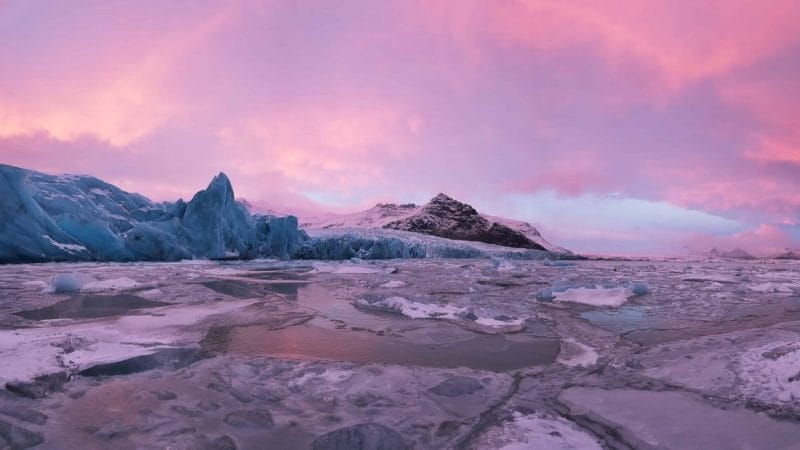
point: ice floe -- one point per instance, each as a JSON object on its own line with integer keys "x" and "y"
{"x": 73, "y": 347}
{"x": 419, "y": 310}
{"x": 593, "y": 295}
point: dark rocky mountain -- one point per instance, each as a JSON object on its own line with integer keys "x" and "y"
{"x": 446, "y": 217}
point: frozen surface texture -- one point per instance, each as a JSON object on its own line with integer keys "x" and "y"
{"x": 407, "y": 353}
{"x": 81, "y": 218}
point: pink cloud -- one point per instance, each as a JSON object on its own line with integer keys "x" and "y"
{"x": 301, "y": 102}
{"x": 762, "y": 241}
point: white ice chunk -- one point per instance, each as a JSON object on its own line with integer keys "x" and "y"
{"x": 613, "y": 297}
{"x": 576, "y": 354}
{"x": 66, "y": 283}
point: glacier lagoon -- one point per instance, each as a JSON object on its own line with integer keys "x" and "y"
{"x": 402, "y": 353}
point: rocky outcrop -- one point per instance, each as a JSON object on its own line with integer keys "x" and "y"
{"x": 448, "y": 218}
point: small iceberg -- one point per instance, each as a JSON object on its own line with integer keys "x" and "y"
{"x": 593, "y": 295}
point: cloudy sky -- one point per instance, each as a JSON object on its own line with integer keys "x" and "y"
{"x": 614, "y": 126}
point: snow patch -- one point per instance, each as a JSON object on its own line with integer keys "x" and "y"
{"x": 772, "y": 372}
{"x": 537, "y": 432}
{"x": 69, "y": 248}
{"x": 393, "y": 284}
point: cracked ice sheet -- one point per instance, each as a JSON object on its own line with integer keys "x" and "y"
{"x": 30, "y": 352}
{"x": 671, "y": 419}
{"x": 537, "y": 432}
{"x": 746, "y": 364}
{"x": 309, "y": 398}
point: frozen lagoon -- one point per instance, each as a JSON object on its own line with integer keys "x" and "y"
{"x": 401, "y": 354}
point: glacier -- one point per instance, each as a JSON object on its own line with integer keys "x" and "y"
{"x": 81, "y": 218}
{"x": 383, "y": 243}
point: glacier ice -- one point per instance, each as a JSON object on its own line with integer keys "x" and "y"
{"x": 367, "y": 243}
{"x": 81, "y": 218}
{"x": 67, "y": 283}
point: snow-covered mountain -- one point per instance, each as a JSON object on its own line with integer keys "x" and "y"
{"x": 443, "y": 217}
{"x": 375, "y": 217}
{"x": 81, "y": 218}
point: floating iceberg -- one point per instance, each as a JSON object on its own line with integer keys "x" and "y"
{"x": 594, "y": 295}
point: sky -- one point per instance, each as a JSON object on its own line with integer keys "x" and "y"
{"x": 636, "y": 127}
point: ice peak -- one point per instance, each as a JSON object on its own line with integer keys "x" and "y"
{"x": 221, "y": 185}
{"x": 220, "y": 179}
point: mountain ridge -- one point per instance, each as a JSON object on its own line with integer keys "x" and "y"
{"x": 443, "y": 217}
